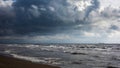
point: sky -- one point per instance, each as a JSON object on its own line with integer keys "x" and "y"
{"x": 60, "y": 21}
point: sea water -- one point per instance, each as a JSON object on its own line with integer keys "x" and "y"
{"x": 67, "y": 55}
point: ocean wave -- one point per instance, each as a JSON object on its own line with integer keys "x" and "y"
{"x": 72, "y": 49}
{"x": 33, "y": 59}
{"x": 81, "y": 55}
{"x": 43, "y": 60}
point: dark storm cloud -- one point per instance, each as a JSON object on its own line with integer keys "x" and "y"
{"x": 6, "y": 17}
{"x": 41, "y": 17}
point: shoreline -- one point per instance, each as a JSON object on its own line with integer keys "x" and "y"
{"x": 10, "y": 62}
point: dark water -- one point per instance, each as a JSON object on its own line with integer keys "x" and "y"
{"x": 67, "y": 55}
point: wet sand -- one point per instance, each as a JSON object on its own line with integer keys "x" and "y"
{"x": 8, "y": 62}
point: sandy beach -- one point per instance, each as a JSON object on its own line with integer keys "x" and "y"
{"x": 8, "y": 62}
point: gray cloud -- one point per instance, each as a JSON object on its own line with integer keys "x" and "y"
{"x": 95, "y": 5}
{"x": 51, "y": 17}
{"x": 43, "y": 17}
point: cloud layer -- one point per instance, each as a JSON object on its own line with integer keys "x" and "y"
{"x": 82, "y": 18}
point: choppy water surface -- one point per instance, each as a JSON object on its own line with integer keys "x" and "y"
{"x": 67, "y": 55}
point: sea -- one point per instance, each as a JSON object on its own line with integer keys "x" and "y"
{"x": 66, "y": 55}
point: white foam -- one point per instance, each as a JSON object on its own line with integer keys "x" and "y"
{"x": 7, "y": 51}
{"x": 33, "y": 59}
{"x": 38, "y": 60}
{"x": 32, "y": 46}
